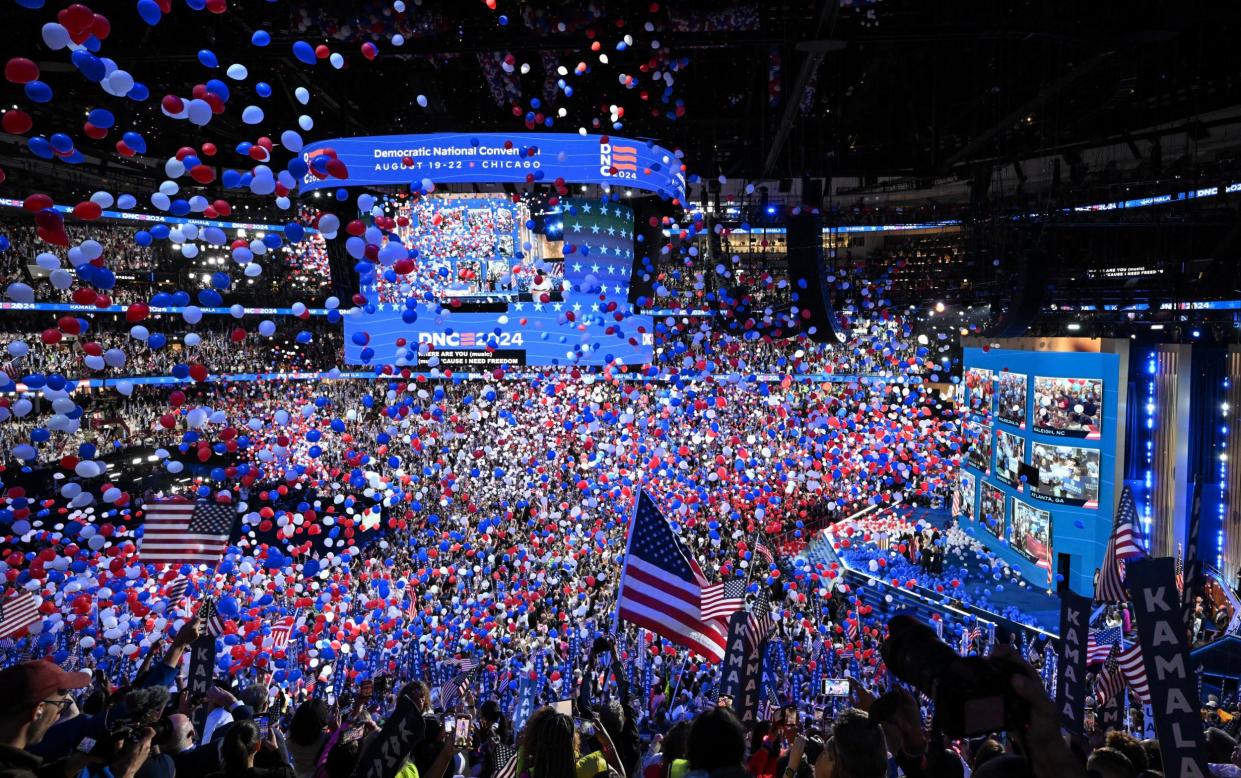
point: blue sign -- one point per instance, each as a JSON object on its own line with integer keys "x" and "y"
{"x": 495, "y": 158}
{"x": 76, "y": 308}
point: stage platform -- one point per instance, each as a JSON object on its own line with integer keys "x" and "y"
{"x": 1011, "y": 605}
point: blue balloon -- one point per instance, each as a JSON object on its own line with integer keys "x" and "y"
{"x": 208, "y": 58}
{"x": 263, "y": 89}
{"x": 89, "y": 65}
{"x": 101, "y": 118}
{"x": 39, "y": 146}
{"x": 139, "y": 92}
{"x": 135, "y": 141}
{"x": 218, "y": 88}
{"x": 61, "y": 142}
{"x": 304, "y": 52}
{"x": 149, "y": 11}
{"x": 260, "y": 38}
{"x": 38, "y": 92}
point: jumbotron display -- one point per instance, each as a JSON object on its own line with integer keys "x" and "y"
{"x": 513, "y": 283}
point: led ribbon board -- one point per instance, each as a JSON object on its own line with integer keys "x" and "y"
{"x": 498, "y": 158}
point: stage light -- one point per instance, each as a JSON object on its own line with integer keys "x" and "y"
{"x": 1156, "y": 326}
{"x": 771, "y": 209}
{"x": 1074, "y": 326}
{"x": 939, "y": 307}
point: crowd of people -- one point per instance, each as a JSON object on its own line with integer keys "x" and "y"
{"x": 109, "y": 347}
{"x": 398, "y": 542}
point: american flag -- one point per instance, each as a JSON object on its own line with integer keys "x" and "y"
{"x": 177, "y": 589}
{"x": 281, "y": 631}
{"x": 1110, "y": 682}
{"x": 455, "y": 688}
{"x": 17, "y": 613}
{"x": 506, "y": 761}
{"x": 211, "y": 617}
{"x": 763, "y": 553}
{"x": 661, "y": 586}
{"x": 1122, "y": 546}
{"x": 721, "y": 600}
{"x": 760, "y": 623}
{"x": 956, "y": 501}
{"x": 1131, "y": 667}
{"x": 180, "y": 531}
{"x": 1180, "y": 570}
{"x": 1100, "y": 644}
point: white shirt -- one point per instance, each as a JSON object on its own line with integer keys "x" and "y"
{"x": 216, "y": 718}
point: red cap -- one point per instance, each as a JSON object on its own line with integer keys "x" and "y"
{"x": 30, "y": 683}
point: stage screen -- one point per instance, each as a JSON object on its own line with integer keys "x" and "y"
{"x": 1067, "y": 474}
{"x": 1010, "y": 453}
{"x": 966, "y": 495}
{"x": 495, "y": 282}
{"x": 1012, "y": 399}
{"x": 1068, "y": 407}
{"x": 1031, "y": 534}
{"x": 993, "y": 510}
{"x": 1042, "y": 430}
{"x": 978, "y": 433}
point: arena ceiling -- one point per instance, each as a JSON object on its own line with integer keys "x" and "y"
{"x": 773, "y": 89}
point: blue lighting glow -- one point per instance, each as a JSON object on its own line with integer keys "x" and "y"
{"x": 1223, "y": 478}
{"x": 1150, "y": 447}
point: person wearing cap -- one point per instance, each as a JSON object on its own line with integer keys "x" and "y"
{"x": 35, "y": 693}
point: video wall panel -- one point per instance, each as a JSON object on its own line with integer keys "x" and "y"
{"x": 1041, "y": 432}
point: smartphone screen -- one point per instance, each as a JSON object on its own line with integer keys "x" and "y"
{"x": 564, "y": 707}
{"x": 463, "y": 732}
{"x": 450, "y": 724}
{"x": 264, "y": 724}
{"x": 835, "y": 687}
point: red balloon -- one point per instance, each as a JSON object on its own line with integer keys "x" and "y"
{"x": 202, "y": 174}
{"x": 101, "y": 28}
{"x": 77, "y": 17}
{"x": 20, "y": 70}
{"x": 172, "y": 104}
{"x": 136, "y": 312}
{"x": 37, "y": 202}
{"x": 87, "y": 210}
{"x": 16, "y": 121}
{"x": 50, "y": 336}
{"x": 93, "y": 132}
{"x": 85, "y": 296}
{"x": 198, "y": 371}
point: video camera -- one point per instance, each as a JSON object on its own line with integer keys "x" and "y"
{"x": 973, "y": 695}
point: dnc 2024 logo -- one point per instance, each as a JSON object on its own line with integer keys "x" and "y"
{"x": 618, "y": 161}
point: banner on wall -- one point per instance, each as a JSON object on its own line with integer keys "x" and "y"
{"x": 498, "y": 158}
{"x": 1168, "y": 664}
{"x": 1071, "y": 664}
